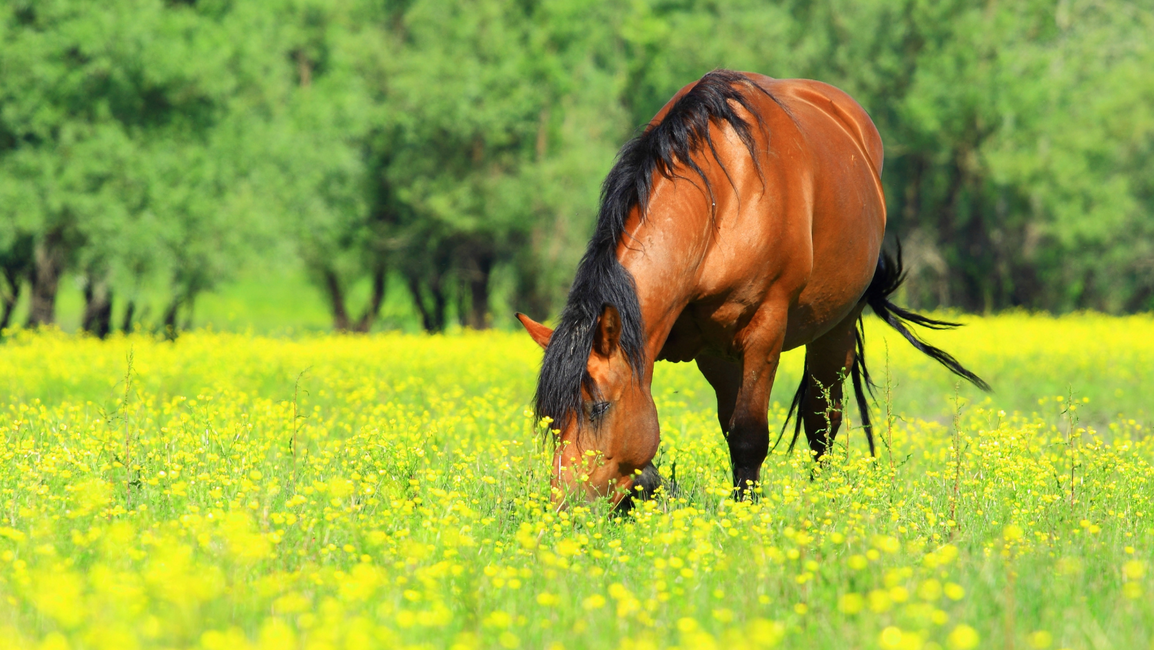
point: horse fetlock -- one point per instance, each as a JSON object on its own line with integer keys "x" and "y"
{"x": 746, "y": 481}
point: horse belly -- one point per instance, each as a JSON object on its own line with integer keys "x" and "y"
{"x": 685, "y": 340}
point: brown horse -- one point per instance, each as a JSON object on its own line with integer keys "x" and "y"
{"x": 745, "y": 220}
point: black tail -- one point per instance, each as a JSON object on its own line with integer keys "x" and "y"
{"x": 887, "y": 278}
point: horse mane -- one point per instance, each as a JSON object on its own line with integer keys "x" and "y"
{"x": 601, "y": 279}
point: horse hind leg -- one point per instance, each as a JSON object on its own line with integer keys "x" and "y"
{"x": 829, "y": 362}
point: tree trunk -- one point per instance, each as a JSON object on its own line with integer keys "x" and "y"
{"x": 1141, "y": 299}
{"x": 11, "y": 293}
{"x": 977, "y": 264}
{"x": 376, "y": 299}
{"x": 304, "y": 69}
{"x": 189, "y": 309}
{"x": 6, "y": 317}
{"x": 336, "y": 300}
{"x": 530, "y": 296}
{"x": 912, "y": 203}
{"x": 97, "y": 318}
{"x": 47, "y": 265}
{"x": 170, "y": 314}
{"x": 947, "y": 225}
{"x": 479, "y": 274}
{"x": 432, "y": 317}
{"x": 129, "y": 312}
{"x": 415, "y": 289}
{"x": 542, "y": 145}
{"x": 462, "y": 310}
{"x": 440, "y": 301}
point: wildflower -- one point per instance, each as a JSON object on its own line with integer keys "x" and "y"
{"x": 1012, "y": 533}
{"x": 1133, "y": 570}
{"x": 963, "y": 637}
{"x": 930, "y": 590}
{"x": 890, "y": 638}
{"x": 850, "y": 603}
{"x": 596, "y": 601}
{"x": 546, "y": 599}
{"x": 1039, "y": 640}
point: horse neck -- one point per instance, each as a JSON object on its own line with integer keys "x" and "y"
{"x": 663, "y": 252}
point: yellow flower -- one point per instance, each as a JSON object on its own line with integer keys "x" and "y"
{"x": 547, "y": 599}
{"x": 1133, "y": 570}
{"x": 954, "y": 591}
{"x": 596, "y": 601}
{"x": 890, "y": 638}
{"x": 963, "y": 637}
{"x": 851, "y": 603}
{"x": 1040, "y": 640}
{"x": 879, "y": 601}
{"x": 930, "y": 590}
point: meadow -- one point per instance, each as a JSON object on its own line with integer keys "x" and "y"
{"x": 233, "y": 490}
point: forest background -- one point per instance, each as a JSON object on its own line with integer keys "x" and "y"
{"x": 428, "y": 164}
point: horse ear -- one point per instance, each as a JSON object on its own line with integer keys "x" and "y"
{"x": 608, "y": 334}
{"x": 537, "y": 331}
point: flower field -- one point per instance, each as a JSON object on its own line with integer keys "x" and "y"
{"x": 234, "y": 491}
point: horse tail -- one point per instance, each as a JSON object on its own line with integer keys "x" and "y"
{"x": 887, "y": 278}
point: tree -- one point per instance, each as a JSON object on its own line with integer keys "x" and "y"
{"x": 324, "y": 145}
{"x": 106, "y": 132}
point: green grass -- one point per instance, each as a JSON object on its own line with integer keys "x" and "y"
{"x": 268, "y": 301}
{"x": 389, "y": 491}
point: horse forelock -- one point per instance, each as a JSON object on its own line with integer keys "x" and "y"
{"x": 663, "y": 147}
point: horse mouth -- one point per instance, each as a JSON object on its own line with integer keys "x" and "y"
{"x": 644, "y": 488}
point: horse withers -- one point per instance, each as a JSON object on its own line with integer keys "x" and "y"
{"x": 745, "y": 220}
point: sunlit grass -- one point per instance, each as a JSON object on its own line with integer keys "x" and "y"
{"x": 228, "y": 491}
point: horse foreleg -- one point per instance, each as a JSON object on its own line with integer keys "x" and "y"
{"x": 743, "y": 402}
{"x": 725, "y": 378}
{"x": 828, "y": 360}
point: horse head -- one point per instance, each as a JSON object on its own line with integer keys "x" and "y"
{"x": 606, "y": 440}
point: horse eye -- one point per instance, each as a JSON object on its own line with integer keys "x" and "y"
{"x": 597, "y": 409}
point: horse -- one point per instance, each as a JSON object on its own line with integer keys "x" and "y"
{"x": 746, "y": 219}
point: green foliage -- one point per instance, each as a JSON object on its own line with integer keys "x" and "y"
{"x": 453, "y": 150}
{"x": 119, "y": 152}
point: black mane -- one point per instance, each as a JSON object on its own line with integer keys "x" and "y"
{"x": 601, "y": 279}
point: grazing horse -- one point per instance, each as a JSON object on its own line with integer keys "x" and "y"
{"x": 745, "y": 220}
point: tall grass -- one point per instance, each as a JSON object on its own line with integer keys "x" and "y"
{"x": 211, "y": 493}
